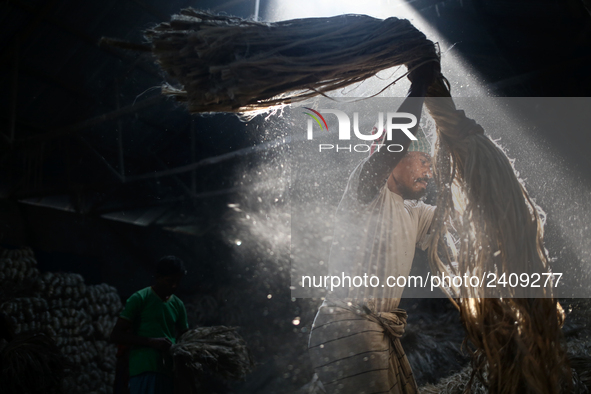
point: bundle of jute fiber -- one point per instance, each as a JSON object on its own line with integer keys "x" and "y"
{"x": 219, "y": 350}
{"x": 229, "y": 65}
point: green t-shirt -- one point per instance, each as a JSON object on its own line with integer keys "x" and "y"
{"x": 153, "y": 318}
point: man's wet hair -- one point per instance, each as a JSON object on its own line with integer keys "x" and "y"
{"x": 170, "y": 265}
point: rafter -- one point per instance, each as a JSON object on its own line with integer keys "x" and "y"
{"x": 67, "y": 130}
{"x": 210, "y": 160}
{"x": 76, "y": 91}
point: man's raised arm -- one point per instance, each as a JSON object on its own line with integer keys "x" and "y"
{"x": 378, "y": 167}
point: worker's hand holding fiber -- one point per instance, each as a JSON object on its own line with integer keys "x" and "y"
{"x": 162, "y": 344}
{"x": 425, "y": 74}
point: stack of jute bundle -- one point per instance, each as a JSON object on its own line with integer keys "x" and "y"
{"x": 18, "y": 272}
{"x": 226, "y": 64}
{"x": 75, "y": 318}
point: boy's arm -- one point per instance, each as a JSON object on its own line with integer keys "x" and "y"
{"x": 122, "y": 335}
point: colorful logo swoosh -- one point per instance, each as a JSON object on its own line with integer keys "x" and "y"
{"x": 316, "y": 119}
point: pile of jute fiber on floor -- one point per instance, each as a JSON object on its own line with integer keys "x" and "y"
{"x": 226, "y": 64}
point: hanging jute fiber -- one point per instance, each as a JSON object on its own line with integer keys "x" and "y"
{"x": 226, "y": 64}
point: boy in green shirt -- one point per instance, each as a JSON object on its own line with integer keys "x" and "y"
{"x": 148, "y": 324}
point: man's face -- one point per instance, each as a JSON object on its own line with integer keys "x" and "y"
{"x": 169, "y": 284}
{"x": 412, "y": 175}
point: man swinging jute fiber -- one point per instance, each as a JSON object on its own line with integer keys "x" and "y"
{"x": 227, "y": 64}
{"x": 354, "y": 344}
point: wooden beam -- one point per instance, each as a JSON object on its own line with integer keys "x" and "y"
{"x": 172, "y": 200}
{"x": 210, "y": 160}
{"x": 193, "y": 131}
{"x": 171, "y": 172}
{"x": 119, "y": 134}
{"x": 56, "y": 82}
{"x": 75, "y": 90}
{"x": 67, "y": 130}
{"x": 101, "y": 157}
{"x": 176, "y": 178}
{"x": 14, "y": 92}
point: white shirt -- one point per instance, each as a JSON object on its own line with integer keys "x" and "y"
{"x": 376, "y": 239}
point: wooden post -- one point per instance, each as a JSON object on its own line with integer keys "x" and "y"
{"x": 192, "y": 130}
{"x": 119, "y": 134}
{"x": 14, "y": 93}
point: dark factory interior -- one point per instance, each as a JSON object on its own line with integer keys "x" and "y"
{"x": 101, "y": 175}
